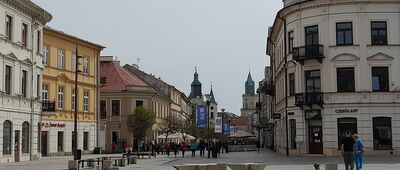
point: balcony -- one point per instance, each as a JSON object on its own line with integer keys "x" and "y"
{"x": 300, "y": 54}
{"x": 48, "y": 106}
{"x": 309, "y": 99}
{"x": 268, "y": 88}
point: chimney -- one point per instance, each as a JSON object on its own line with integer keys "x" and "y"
{"x": 135, "y": 66}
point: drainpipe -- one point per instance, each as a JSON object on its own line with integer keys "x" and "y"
{"x": 286, "y": 84}
{"x": 32, "y": 99}
{"x": 97, "y": 98}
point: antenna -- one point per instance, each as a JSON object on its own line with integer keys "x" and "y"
{"x": 138, "y": 61}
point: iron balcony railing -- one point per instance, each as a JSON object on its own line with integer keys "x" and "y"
{"x": 303, "y": 53}
{"x": 48, "y": 106}
{"x": 309, "y": 99}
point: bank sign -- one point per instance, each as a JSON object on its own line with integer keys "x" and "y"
{"x": 201, "y": 116}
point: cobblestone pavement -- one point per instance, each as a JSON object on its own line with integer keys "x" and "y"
{"x": 274, "y": 161}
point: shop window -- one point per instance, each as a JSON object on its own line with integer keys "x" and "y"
{"x": 382, "y": 129}
{"x": 7, "y": 131}
{"x": 292, "y": 133}
{"x": 346, "y": 125}
{"x": 345, "y": 79}
{"x": 25, "y": 137}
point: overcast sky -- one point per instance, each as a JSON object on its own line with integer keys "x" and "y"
{"x": 223, "y": 38}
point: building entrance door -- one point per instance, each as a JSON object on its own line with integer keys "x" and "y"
{"x": 16, "y": 147}
{"x": 315, "y": 143}
{"x": 44, "y": 142}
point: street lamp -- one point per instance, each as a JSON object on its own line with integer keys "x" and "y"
{"x": 75, "y": 148}
{"x": 208, "y": 118}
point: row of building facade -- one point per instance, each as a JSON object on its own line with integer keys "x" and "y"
{"x": 38, "y": 95}
{"x": 332, "y": 70}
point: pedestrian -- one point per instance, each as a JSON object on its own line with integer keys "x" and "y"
{"x": 167, "y": 147}
{"x": 193, "y": 148}
{"x": 183, "y": 147}
{"x": 113, "y": 145}
{"x": 175, "y": 148}
{"x": 347, "y": 149}
{"x": 316, "y": 166}
{"x": 202, "y": 147}
{"x": 358, "y": 152}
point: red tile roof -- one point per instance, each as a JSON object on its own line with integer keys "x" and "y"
{"x": 118, "y": 78}
{"x": 241, "y": 121}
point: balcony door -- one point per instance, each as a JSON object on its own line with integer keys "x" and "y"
{"x": 313, "y": 81}
{"x": 311, "y": 33}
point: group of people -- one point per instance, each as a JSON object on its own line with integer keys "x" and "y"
{"x": 352, "y": 149}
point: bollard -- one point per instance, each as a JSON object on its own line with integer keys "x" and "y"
{"x": 331, "y": 167}
{"x": 73, "y": 164}
{"x": 107, "y": 164}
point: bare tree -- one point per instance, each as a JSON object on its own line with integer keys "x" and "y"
{"x": 169, "y": 125}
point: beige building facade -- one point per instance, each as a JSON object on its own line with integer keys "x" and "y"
{"x": 333, "y": 66}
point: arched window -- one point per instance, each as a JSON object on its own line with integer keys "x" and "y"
{"x": 7, "y": 131}
{"x": 382, "y": 129}
{"x": 25, "y": 137}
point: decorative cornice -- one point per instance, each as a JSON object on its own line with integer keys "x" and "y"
{"x": 31, "y": 9}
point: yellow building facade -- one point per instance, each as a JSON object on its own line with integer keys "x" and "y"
{"x": 58, "y": 93}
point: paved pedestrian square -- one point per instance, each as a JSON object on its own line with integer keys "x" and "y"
{"x": 162, "y": 162}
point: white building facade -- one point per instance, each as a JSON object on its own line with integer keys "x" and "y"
{"x": 20, "y": 79}
{"x": 334, "y": 66}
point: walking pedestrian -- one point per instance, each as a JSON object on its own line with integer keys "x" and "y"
{"x": 175, "y": 148}
{"x": 202, "y": 146}
{"x": 358, "y": 152}
{"x": 183, "y": 147}
{"x": 193, "y": 148}
{"x": 347, "y": 149}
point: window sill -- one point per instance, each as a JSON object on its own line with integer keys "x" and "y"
{"x": 377, "y": 45}
{"x": 350, "y": 45}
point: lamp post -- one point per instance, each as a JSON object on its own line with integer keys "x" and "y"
{"x": 75, "y": 148}
{"x": 258, "y": 106}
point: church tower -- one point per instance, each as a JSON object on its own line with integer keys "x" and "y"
{"x": 249, "y": 85}
{"x": 196, "y": 87}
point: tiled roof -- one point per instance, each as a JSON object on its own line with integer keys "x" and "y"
{"x": 118, "y": 78}
{"x": 241, "y": 121}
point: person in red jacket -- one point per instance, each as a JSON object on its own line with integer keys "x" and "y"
{"x": 183, "y": 147}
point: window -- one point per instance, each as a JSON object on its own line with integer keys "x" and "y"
{"x": 61, "y": 58}
{"x": 115, "y": 107}
{"x": 380, "y": 79}
{"x": 73, "y": 62}
{"x": 73, "y": 100}
{"x": 382, "y": 129}
{"x": 24, "y": 83}
{"x": 7, "y": 131}
{"x": 344, "y": 33}
{"x": 114, "y": 137}
{"x": 9, "y": 25}
{"x": 60, "y": 141}
{"x": 212, "y": 115}
{"x": 345, "y": 79}
{"x": 313, "y": 81}
{"x": 103, "y": 81}
{"x": 139, "y": 103}
{"x": 45, "y": 92}
{"x": 85, "y": 141}
{"x": 378, "y": 33}
{"x": 45, "y": 55}
{"x": 291, "y": 84}
{"x": 291, "y": 39}
{"x": 38, "y": 85}
{"x": 85, "y": 65}
{"x": 24, "y": 34}
{"x": 38, "y": 41}
{"x": 292, "y": 133}
{"x": 103, "y": 109}
{"x": 60, "y": 98}
{"x": 312, "y": 35}
{"x": 347, "y": 124}
{"x": 86, "y": 101}
{"x": 25, "y": 137}
{"x": 8, "y": 80}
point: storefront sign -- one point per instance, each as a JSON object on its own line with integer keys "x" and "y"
{"x": 49, "y": 124}
{"x": 276, "y": 116}
{"x": 312, "y": 113}
{"x": 346, "y": 110}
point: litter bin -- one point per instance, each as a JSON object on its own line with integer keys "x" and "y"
{"x": 78, "y": 154}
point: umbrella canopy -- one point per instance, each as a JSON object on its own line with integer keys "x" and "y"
{"x": 180, "y": 136}
{"x": 242, "y": 134}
